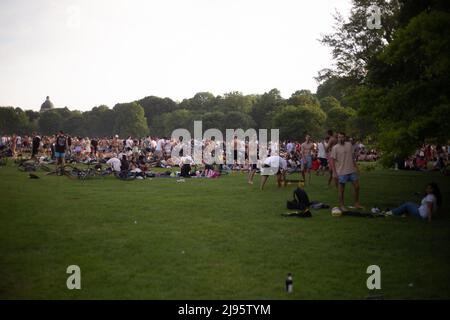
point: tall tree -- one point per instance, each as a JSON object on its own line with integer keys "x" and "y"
{"x": 154, "y": 107}
{"x": 129, "y": 120}
{"x": 303, "y": 98}
{"x": 296, "y": 121}
{"x": 338, "y": 118}
{"x": 329, "y": 103}
{"x": 50, "y": 122}
{"x": 354, "y": 44}
{"x": 407, "y": 91}
{"x": 13, "y": 120}
{"x": 265, "y": 107}
{"x": 99, "y": 121}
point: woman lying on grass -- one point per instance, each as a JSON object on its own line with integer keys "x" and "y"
{"x": 428, "y": 206}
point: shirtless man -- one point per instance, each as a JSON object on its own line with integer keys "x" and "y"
{"x": 115, "y": 144}
{"x": 307, "y": 150}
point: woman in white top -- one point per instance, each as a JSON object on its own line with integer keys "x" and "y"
{"x": 428, "y": 206}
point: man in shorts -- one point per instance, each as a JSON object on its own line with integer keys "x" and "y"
{"x": 35, "y": 144}
{"x": 307, "y": 149}
{"x": 273, "y": 165}
{"x": 60, "y": 151}
{"x": 322, "y": 155}
{"x": 344, "y": 166}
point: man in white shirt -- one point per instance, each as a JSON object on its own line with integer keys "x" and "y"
{"x": 129, "y": 143}
{"x": 322, "y": 155}
{"x": 290, "y": 147}
{"x": 159, "y": 148}
{"x": 273, "y": 165}
{"x": 185, "y": 164}
{"x": 114, "y": 163}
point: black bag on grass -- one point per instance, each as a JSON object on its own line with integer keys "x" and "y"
{"x": 300, "y": 201}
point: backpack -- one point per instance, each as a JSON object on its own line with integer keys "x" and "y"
{"x": 300, "y": 201}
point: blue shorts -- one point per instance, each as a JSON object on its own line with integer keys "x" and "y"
{"x": 351, "y": 177}
{"x": 60, "y": 154}
{"x": 307, "y": 162}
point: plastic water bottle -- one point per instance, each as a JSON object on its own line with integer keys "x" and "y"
{"x": 289, "y": 286}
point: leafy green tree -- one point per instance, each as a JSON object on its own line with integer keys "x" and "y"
{"x": 238, "y": 120}
{"x": 13, "y": 120}
{"x": 303, "y": 98}
{"x": 329, "y": 103}
{"x": 181, "y": 118}
{"x": 295, "y": 122}
{"x": 154, "y": 107}
{"x": 75, "y": 124}
{"x": 235, "y": 101}
{"x": 201, "y": 101}
{"x": 214, "y": 119}
{"x": 354, "y": 45}
{"x": 362, "y": 127}
{"x": 50, "y": 122}
{"x": 407, "y": 86}
{"x": 99, "y": 121}
{"x": 338, "y": 118}
{"x": 129, "y": 120}
{"x": 264, "y": 108}
{"x": 32, "y": 115}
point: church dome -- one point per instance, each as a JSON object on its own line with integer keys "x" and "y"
{"x": 47, "y": 105}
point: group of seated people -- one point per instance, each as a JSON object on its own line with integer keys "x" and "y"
{"x": 435, "y": 158}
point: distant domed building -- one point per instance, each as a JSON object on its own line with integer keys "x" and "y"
{"x": 47, "y": 105}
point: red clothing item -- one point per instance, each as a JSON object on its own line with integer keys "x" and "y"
{"x": 316, "y": 164}
{"x": 421, "y": 163}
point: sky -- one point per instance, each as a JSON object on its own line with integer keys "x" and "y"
{"x": 84, "y": 53}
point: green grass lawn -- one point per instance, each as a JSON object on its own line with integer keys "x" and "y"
{"x": 214, "y": 239}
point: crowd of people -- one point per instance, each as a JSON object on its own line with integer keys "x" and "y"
{"x": 336, "y": 154}
{"x": 428, "y": 157}
{"x": 157, "y": 151}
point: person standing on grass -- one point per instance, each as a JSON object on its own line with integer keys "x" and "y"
{"x": 322, "y": 155}
{"x": 94, "y": 144}
{"x": 35, "y": 144}
{"x": 253, "y": 159}
{"x": 332, "y": 140}
{"x": 60, "y": 150}
{"x": 307, "y": 149}
{"x": 344, "y": 167}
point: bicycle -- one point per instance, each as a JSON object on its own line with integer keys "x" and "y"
{"x": 30, "y": 165}
{"x": 4, "y": 155}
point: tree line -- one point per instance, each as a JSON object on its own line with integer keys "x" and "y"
{"x": 304, "y": 112}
